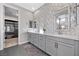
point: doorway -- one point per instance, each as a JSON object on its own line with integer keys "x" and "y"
{"x": 11, "y": 27}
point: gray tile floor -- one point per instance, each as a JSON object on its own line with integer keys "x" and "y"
{"x": 22, "y": 50}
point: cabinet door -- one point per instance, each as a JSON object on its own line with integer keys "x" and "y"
{"x": 65, "y": 50}
{"x": 50, "y": 46}
{"x": 32, "y": 38}
{"x": 41, "y": 43}
{"x": 29, "y": 37}
{"x": 35, "y": 38}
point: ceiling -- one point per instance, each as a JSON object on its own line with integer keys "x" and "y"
{"x": 30, "y": 6}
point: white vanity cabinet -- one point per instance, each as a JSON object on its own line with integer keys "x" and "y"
{"x": 59, "y": 47}
{"x": 54, "y": 45}
{"x": 37, "y": 39}
{"x": 41, "y": 42}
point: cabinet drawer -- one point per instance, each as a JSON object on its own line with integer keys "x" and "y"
{"x": 66, "y": 41}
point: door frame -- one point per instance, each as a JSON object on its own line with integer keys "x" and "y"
{"x": 9, "y": 6}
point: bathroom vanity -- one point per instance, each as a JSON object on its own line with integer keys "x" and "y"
{"x": 55, "y": 44}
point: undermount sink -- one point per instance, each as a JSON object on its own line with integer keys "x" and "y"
{"x": 32, "y": 30}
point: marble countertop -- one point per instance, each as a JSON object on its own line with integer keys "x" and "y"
{"x": 73, "y": 37}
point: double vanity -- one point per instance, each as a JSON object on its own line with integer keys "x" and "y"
{"x": 55, "y": 44}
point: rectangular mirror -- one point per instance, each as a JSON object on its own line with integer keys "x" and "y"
{"x": 61, "y": 19}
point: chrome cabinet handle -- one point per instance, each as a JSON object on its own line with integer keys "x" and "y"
{"x": 57, "y": 45}
{"x": 40, "y": 39}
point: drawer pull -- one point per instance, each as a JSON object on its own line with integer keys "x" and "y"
{"x": 56, "y": 45}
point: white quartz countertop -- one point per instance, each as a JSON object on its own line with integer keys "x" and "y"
{"x": 73, "y": 37}
{"x": 65, "y": 36}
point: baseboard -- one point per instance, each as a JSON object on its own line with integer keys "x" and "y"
{"x": 23, "y": 42}
{"x": 1, "y": 49}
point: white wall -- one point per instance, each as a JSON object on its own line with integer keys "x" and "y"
{"x": 25, "y": 16}
{"x": 1, "y": 27}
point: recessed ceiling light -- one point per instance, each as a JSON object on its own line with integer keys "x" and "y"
{"x": 33, "y": 8}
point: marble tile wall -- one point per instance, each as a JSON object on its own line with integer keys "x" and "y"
{"x": 46, "y": 19}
